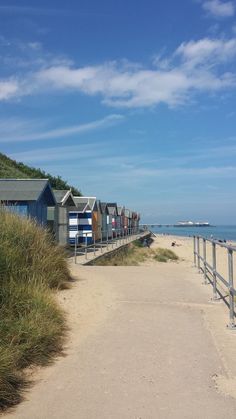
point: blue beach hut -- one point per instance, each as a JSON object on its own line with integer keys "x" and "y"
{"x": 27, "y": 197}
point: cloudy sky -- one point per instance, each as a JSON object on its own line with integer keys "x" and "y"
{"x": 130, "y": 101}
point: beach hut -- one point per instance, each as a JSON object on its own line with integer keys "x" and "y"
{"x": 58, "y": 217}
{"x": 95, "y": 208}
{"x": 119, "y": 220}
{"x": 112, "y": 211}
{"x": 27, "y": 197}
{"x": 80, "y": 222}
{"x": 97, "y": 220}
{"x": 126, "y": 220}
{"x": 104, "y": 219}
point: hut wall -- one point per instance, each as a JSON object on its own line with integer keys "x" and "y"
{"x": 80, "y": 223}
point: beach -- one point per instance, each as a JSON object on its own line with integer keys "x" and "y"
{"x": 143, "y": 341}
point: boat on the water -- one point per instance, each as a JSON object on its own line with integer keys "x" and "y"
{"x": 192, "y": 224}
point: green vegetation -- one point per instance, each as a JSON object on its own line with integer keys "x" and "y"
{"x": 133, "y": 254}
{"x": 11, "y": 169}
{"x": 31, "y": 324}
{"x": 164, "y": 255}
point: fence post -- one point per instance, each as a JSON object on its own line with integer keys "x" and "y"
{"x": 214, "y": 271}
{"x": 107, "y": 239}
{"x": 194, "y": 250}
{"x": 204, "y": 261}
{"x": 198, "y": 253}
{"x": 86, "y": 245}
{"x": 101, "y": 241}
{"x": 94, "y": 245}
{"x": 76, "y": 248}
{"x": 231, "y": 286}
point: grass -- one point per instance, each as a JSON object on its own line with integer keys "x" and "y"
{"x": 164, "y": 255}
{"x": 31, "y": 324}
{"x": 134, "y": 254}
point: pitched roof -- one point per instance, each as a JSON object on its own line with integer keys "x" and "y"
{"x": 64, "y": 197}
{"x": 103, "y": 206}
{"x": 25, "y": 190}
{"x": 112, "y": 208}
{"x": 90, "y": 200}
{"x": 120, "y": 210}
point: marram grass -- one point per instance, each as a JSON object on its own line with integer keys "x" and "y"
{"x": 32, "y": 326}
{"x": 135, "y": 253}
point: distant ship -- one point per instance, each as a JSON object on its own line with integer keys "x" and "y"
{"x": 192, "y": 224}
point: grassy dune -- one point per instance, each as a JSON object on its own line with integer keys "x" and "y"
{"x": 134, "y": 254}
{"x": 31, "y": 324}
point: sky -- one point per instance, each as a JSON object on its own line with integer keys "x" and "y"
{"x": 130, "y": 101}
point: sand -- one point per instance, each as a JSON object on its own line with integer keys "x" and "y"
{"x": 144, "y": 342}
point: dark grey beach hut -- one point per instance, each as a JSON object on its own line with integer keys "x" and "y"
{"x": 58, "y": 216}
{"x": 27, "y": 197}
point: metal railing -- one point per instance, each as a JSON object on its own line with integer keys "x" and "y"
{"x": 203, "y": 265}
{"x": 108, "y": 240}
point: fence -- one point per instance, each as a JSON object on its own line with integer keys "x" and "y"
{"x": 118, "y": 238}
{"x": 200, "y": 247}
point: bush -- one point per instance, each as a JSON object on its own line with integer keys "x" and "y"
{"x": 31, "y": 324}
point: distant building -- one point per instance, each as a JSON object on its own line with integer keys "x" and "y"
{"x": 27, "y": 197}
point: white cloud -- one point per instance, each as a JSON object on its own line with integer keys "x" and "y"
{"x": 23, "y": 131}
{"x": 195, "y": 67}
{"x": 142, "y": 87}
{"x": 8, "y": 89}
{"x": 207, "y": 51}
{"x": 219, "y": 8}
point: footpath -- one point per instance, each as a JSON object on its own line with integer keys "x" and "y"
{"x": 145, "y": 342}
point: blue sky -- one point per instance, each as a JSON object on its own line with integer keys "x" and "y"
{"x": 129, "y": 101}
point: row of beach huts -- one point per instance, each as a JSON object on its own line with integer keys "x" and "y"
{"x": 70, "y": 217}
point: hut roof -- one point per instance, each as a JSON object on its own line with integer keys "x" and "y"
{"x": 112, "y": 208}
{"x": 90, "y": 200}
{"x": 26, "y": 190}
{"x": 64, "y": 197}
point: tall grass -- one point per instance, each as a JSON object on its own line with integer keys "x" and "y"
{"x": 135, "y": 253}
{"x": 31, "y": 324}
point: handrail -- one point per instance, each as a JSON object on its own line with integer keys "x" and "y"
{"x": 200, "y": 261}
{"x": 119, "y": 235}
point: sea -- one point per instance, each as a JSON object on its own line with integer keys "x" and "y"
{"x": 226, "y": 232}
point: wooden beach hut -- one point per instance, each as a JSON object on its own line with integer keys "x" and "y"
{"x": 58, "y": 217}
{"x": 119, "y": 220}
{"x": 104, "y": 219}
{"x": 80, "y": 222}
{"x": 112, "y": 211}
{"x": 95, "y": 208}
{"x": 27, "y": 197}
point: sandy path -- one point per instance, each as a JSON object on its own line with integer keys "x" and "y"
{"x": 145, "y": 342}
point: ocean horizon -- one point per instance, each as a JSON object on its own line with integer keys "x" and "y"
{"x": 218, "y": 232}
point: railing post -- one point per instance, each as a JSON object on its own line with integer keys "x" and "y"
{"x": 86, "y": 245}
{"x": 214, "y": 271}
{"x": 101, "y": 241}
{"x": 230, "y": 287}
{"x": 107, "y": 239}
{"x": 204, "y": 261}
{"x": 94, "y": 245}
{"x": 198, "y": 252}
{"x": 194, "y": 250}
{"x": 75, "y": 248}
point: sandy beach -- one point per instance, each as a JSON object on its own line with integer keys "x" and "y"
{"x": 144, "y": 342}
{"x": 184, "y": 249}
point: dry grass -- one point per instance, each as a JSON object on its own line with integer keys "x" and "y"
{"x": 31, "y": 324}
{"x": 134, "y": 254}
